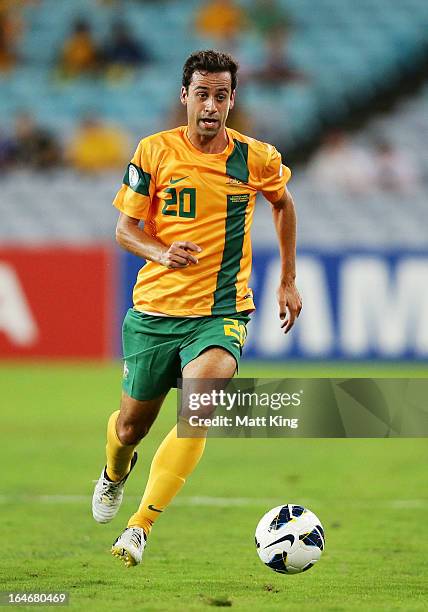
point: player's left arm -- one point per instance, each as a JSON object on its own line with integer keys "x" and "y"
{"x": 289, "y": 300}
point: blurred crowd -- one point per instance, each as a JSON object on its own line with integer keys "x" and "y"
{"x": 81, "y": 54}
{"x": 342, "y": 166}
{"x": 119, "y": 54}
{"x": 97, "y": 146}
{"x": 11, "y": 27}
{"x": 220, "y": 22}
{"x": 339, "y": 166}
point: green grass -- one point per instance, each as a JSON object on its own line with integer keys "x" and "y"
{"x": 371, "y": 496}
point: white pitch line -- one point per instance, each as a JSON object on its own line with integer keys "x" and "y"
{"x": 247, "y": 502}
{"x": 181, "y": 501}
{"x": 408, "y": 503}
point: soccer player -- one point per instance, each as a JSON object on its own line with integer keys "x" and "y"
{"x": 195, "y": 188}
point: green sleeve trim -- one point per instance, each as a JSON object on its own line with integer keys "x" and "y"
{"x": 137, "y": 179}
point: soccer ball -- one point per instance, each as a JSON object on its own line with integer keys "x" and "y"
{"x": 289, "y": 539}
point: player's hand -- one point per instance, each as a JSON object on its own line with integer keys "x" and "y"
{"x": 290, "y": 304}
{"x": 178, "y": 255}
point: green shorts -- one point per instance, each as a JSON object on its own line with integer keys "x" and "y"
{"x": 156, "y": 349}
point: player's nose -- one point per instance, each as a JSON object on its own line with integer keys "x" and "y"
{"x": 210, "y": 105}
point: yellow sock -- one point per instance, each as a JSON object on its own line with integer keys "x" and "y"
{"x": 174, "y": 461}
{"x": 118, "y": 455}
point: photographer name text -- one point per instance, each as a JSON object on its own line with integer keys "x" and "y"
{"x": 244, "y": 421}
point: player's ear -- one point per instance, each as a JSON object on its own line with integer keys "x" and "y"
{"x": 232, "y": 99}
{"x": 183, "y": 96}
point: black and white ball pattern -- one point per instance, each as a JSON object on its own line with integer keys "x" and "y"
{"x": 290, "y": 539}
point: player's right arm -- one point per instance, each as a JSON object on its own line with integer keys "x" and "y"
{"x": 133, "y": 239}
{"x": 133, "y": 201}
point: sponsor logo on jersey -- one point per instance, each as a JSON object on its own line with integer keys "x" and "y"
{"x": 174, "y": 181}
{"x": 233, "y": 181}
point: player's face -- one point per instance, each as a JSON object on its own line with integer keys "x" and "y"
{"x": 208, "y": 102}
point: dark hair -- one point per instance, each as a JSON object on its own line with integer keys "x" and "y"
{"x": 209, "y": 61}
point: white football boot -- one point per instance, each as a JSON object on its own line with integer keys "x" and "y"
{"x": 130, "y": 546}
{"x": 108, "y": 495}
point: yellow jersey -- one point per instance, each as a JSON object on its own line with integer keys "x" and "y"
{"x": 205, "y": 198}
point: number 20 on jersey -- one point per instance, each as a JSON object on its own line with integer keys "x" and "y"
{"x": 180, "y": 203}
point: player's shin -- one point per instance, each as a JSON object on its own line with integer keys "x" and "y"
{"x": 119, "y": 455}
{"x": 174, "y": 461}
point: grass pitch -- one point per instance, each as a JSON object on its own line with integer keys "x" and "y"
{"x": 371, "y": 496}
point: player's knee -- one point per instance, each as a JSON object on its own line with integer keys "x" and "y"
{"x": 132, "y": 433}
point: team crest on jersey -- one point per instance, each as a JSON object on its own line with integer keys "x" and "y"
{"x": 133, "y": 175}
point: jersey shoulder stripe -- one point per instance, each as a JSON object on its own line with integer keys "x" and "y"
{"x": 259, "y": 150}
{"x": 237, "y": 162}
{"x": 225, "y": 291}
